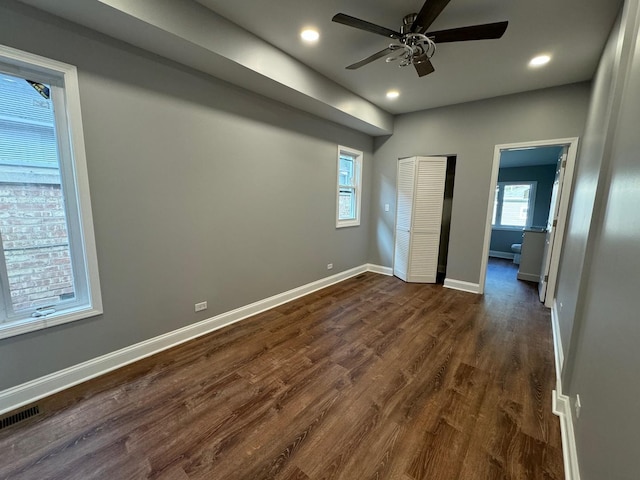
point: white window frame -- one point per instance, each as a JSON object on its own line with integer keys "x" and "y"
{"x": 73, "y": 171}
{"x": 357, "y": 156}
{"x": 532, "y": 202}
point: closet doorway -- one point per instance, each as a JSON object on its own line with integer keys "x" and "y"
{"x": 424, "y": 192}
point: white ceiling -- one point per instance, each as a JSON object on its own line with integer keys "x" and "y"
{"x": 572, "y": 31}
{"x": 255, "y": 44}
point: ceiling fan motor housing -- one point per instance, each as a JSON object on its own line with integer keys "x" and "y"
{"x": 407, "y": 21}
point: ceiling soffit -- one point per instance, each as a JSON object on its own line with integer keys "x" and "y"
{"x": 193, "y": 35}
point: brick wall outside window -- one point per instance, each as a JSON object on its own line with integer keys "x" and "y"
{"x": 36, "y": 245}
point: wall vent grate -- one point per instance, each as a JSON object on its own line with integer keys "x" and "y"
{"x": 19, "y": 416}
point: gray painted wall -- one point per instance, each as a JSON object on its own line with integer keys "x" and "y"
{"x": 501, "y": 239}
{"x": 603, "y": 356}
{"x": 470, "y": 131}
{"x": 594, "y": 148}
{"x": 200, "y": 191}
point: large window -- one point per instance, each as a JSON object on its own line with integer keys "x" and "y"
{"x": 513, "y": 204}
{"x": 349, "y": 187}
{"x": 48, "y": 267}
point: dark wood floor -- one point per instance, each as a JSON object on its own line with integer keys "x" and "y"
{"x": 372, "y": 378}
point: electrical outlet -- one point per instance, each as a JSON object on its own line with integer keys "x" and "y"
{"x": 201, "y": 306}
{"x": 578, "y": 406}
{"x": 329, "y": 266}
{"x": 386, "y": 207}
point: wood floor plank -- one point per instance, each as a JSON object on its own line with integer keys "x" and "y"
{"x": 371, "y": 378}
{"x": 294, "y": 473}
{"x": 176, "y": 473}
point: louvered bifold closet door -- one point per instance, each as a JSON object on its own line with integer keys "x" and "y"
{"x": 404, "y": 208}
{"x": 430, "y": 173}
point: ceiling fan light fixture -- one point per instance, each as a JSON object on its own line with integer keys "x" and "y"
{"x": 310, "y": 35}
{"x": 406, "y": 61}
{"x": 540, "y": 60}
{"x": 393, "y": 94}
{"x": 401, "y": 52}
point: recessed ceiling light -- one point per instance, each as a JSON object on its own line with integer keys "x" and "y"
{"x": 393, "y": 94}
{"x": 310, "y": 35}
{"x": 539, "y": 60}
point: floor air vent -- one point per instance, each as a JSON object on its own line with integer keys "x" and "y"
{"x": 19, "y": 417}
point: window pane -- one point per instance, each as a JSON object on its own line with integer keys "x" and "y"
{"x": 347, "y": 204}
{"x": 346, "y": 171}
{"x": 349, "y": 163}
{"x": 495, "y": 205}
{"x": 515, "y": 205}
{"x": 33, "y": 224}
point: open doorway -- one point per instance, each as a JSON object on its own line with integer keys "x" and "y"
{"x": 447, "y": 206}
{"x": 530, "y": 187}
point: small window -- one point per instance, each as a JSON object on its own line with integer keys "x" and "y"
{"x": 513, "y": 204}
{"x": 349, "y": 187}
{"x": 48, "y": 266}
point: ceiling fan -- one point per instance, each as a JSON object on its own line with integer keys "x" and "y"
{"x": 415, "y": 45}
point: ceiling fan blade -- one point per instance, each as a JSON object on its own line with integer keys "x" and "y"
{"x": 369, "y": 59}
{"x": 364, "y": 25}
{"x": 424, "y": 68}
{"x": 475, "y": 32}
{"x": 428, "y": 13}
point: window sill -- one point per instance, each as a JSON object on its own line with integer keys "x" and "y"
{"x": 509, "y": 229}
{"x": 348, "y": 223}
{"x": 18, "y": 327}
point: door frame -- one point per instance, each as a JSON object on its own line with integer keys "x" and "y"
{"x": 572, "y": 151}
{"x": 550, "y": 236}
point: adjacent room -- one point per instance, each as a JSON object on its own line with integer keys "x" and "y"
{"x": 312, "y": 240}
{"x": 524, "y": 211}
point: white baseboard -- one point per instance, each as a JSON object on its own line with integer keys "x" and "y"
{"x": 562, "y": 408}
{"x": 379, "y": 269}
{"x": 460, "y": 285}
{"x": 562, "y": 404}
{"x": 498, "y": 254}
{"x": 34, "y": 390}
{"x": 557, "y": 345}
{"x": 529, "y": 277}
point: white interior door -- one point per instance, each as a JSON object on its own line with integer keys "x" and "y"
{"x": 404, "y": 210}
{"x": 551, "y": 225}
{"x": 430, "y": 173}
